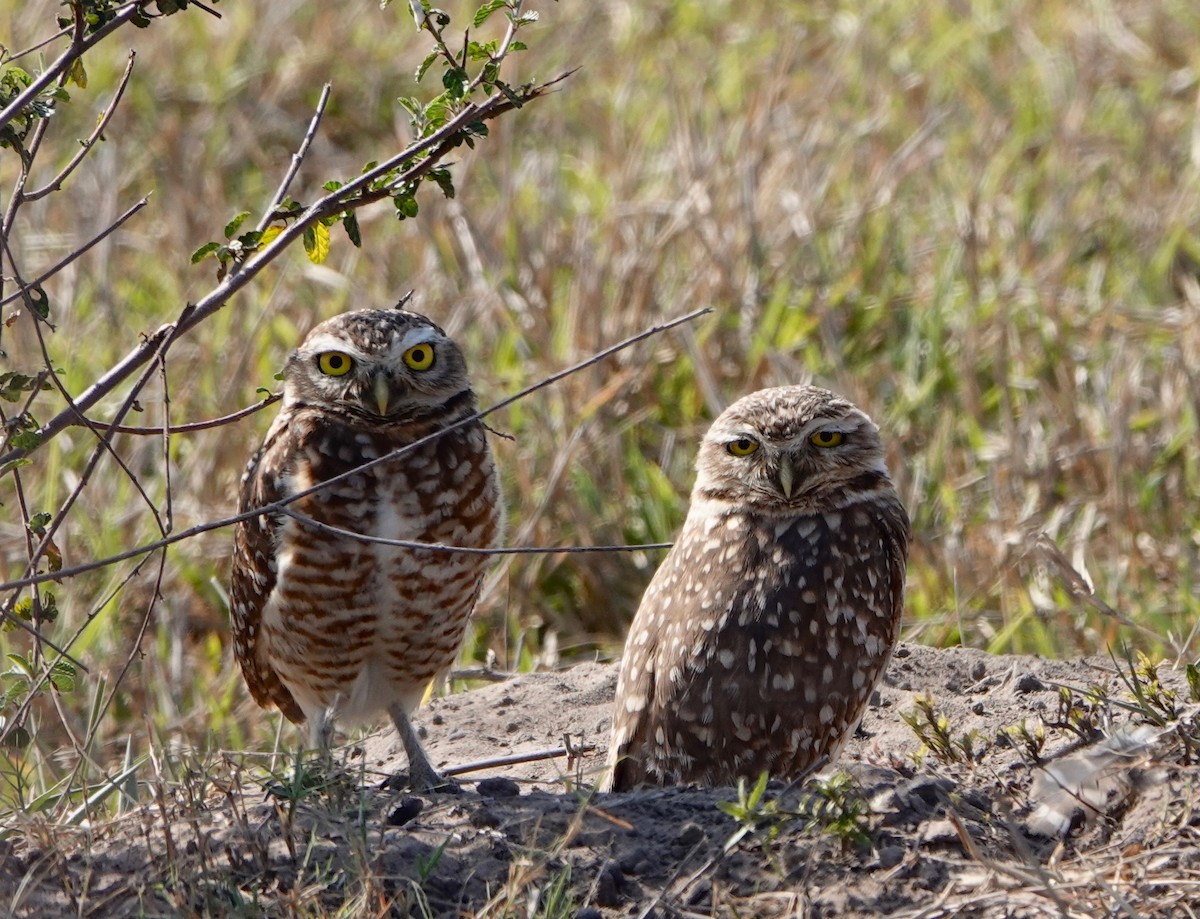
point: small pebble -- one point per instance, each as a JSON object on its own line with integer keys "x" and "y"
{"x": 689, "y": 834}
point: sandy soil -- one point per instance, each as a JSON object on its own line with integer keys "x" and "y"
{"x": 973, "y": 824}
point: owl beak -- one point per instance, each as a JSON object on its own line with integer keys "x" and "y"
{"x": 787, "y": 475}
{"x": 381, "y": 388}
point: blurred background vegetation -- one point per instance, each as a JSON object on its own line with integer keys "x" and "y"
{"x": 979, "y": 220}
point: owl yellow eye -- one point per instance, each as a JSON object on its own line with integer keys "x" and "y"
{"x": 743, "y": 446}
{"x": 334, "y": 363}
{"x": 827, "y": 438}
{"x": 419, "y": 357}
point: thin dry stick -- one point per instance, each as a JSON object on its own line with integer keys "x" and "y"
{"x": 516, "y": 759}
{"x": 85, "y": 146}
{"x": 59, "y": 266}
{"x": 280, "y": 505}
{"x": 297, "y": 159}
{"x": 464, "y": 550}
{"x": 193, "y": 426}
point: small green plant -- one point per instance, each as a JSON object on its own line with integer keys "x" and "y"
{"x": 933, "y": 730}
{"x": 831, "y": 805}
{"x": 1082, "y": 713}
{"x": 1028, "y": 736}
{"x": 1155, "y": 702}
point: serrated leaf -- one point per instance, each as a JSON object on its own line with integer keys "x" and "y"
{"x": 482, "y": 14}
{"x": 204, "y": 251}
{"x": 77, "y": 74}
{"x": 316, "y": 243}
{"x": 406, "y": 206}
{"x": 26, "y": 440}
{"x": 268, "y": 235}
{"x": 232, "y": 226}
{"x": 425, "y": 65}
{"x": 524, "y": 18}
{"x": 63, "y": 676}
{"x": 454, "y": 79}
{"x": 38, "y": 521}
{"x": 332, "y": 185}
{"x": 517, "y": 46}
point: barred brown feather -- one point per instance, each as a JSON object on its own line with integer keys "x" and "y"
{"x": 326, "y": 625}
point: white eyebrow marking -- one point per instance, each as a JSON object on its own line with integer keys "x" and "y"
{"x": 327, "y": 342}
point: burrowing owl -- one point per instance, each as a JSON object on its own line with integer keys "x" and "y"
{"x": 766, "y": 629}
{"x": 328, "y": 625}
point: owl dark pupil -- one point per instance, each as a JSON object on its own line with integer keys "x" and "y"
{"x": 418, "y": 356}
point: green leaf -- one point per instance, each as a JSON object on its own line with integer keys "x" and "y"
{"x": 26, "y": 440}
{"x": 38, "y": 301}
{"x": 517, "y": 46}
{"x": 316, "y": 243}
{"x": 77, "y": 74}
{"x": 204, "y": 251}
{"x": 444, "y": 180}
{"x": 37, "y": 523}
{"x": 1193, "y": 681}
{"x": 454, "y": 79}
{"x": 350, "y": 224}
{"x": 482, "y": 14}
{"x": 232, "y": 226}
{"x": 425, "y": 65}
{"x": 406, "y": 206}
{"x": 63, "y": 676}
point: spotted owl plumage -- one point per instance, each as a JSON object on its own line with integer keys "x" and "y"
{"x": 761, "y": 637}
{"x": 326, "y": 625}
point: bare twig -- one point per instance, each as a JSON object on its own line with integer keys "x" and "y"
{"x": 59, "y": 266}
{"x": 297, "y": 159}
{"x": 192, "y": 426}
{"x": 85, "y": 146}
{"x": 516, "y": 759}
{"x": 464, "y": 550}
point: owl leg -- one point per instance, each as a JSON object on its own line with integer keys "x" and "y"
{"x": 320, "y": 729}
{"x": 421, "y": 774}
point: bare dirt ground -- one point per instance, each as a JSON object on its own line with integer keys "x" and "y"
{"x": 971, "y": 822}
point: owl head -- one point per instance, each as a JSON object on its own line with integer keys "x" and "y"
{"x": 793, "y": 448}
{"x": 378, "y": 366}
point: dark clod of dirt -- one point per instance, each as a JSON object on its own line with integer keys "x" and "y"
{"x": 1030, "y": 683}
{"x": 408, "y": 808}
{"x": 498, "y": 787}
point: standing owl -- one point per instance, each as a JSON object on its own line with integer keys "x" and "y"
{"x": 763, "y": 634}
{"x": 326, "y": 625}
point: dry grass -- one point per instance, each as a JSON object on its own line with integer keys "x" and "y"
{"x": 979, "y": 221}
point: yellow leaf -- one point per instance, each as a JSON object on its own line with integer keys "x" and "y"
{"x": 316, "y": 243}
{"x": 78, "y": 74}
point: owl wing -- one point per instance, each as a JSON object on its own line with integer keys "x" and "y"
{"x": 638, "y": 686}
{"x": 255, "y": 567}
